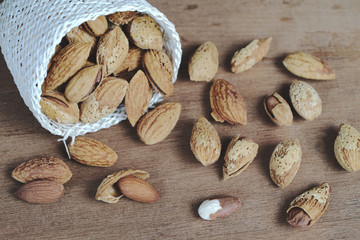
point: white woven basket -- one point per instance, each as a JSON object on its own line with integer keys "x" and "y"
{"x": 30, "y": 30}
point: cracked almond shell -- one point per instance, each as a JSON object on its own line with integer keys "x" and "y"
{"x": 313, "y": 202}
{"x": 278, "y": 110}
{"x": 226, "y": 103}
{"x": 205, "y": 142}
{"x": 122, "y": 18}
{"x": 239, "y": 155}
{"x": 109, "y": 192}
{"x": 97, "y": 27}
{"x": 347, "y": 148}
{"x": 285, "y": 162}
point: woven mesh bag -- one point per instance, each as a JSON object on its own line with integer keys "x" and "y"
{"x": 30, "y": 31}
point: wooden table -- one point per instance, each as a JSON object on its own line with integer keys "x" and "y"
{"x": 329, "y": 29}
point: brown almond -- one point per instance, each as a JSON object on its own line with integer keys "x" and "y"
{"x": 132, "y": 61}
{"x": 221, "y": 207}
{"x": 278, "y": 110}
{"x": 122, "y": 18}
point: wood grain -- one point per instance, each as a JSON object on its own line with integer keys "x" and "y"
{"x": 329, "y": 29}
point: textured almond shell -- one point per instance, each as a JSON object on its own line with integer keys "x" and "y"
{"x": 239, "y": 155}
{"x": 347, "y": 148}
{"x": 205, "y": 142}
{"x": 204, "y": 64}
{"x": 281, "y": 114}
{"x": 60, "y": 110}
{"x": 92, "y": 152}
{"x": 138, "y": 96}
{"x": 285, "y": 162}
{"x": 65, "y": 64}
{"x": 79, "y": 35}
{"x": 106, "y": 98}
{"x": 108, "y": 192}
{"x": 305, "y": 100}
{"x": 49, "y": 168}
{"x": 158, "y": 68}
{"x": 253, "y": 53}
{"x": 146, "y": 33}
{"x": 122, "y": 18}
{"x": 97, "y": 27}
{"x": 157, "y": 124}
{"x": 132, "y": 61}
{"x": 227, "y": 104}
{"x": 313, "y": 202}
{"x": 112, "y": 49}
{"x": 307, "y": 66}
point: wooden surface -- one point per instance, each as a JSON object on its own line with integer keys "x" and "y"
{"x": 328, "y": 29}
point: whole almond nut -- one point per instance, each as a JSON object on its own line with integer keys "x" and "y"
{"x": 239, "y": 155}
{"x": 41, "y": 191}
{"x": 57, "y": 50}
{"x": 108, "y": 190}
{"x": 307, "y": 66}
{"x": 138, "y": 189}
{"x": 112, "y": 49}
{"x": 305, "y": 100}
{"x": 58, "y": 108}
{"x": 83, "y": 84}
{"x": 91, "y": 152}
{"x": 97, "y": 27}
{"x": 227, "y": 104}
{"x": 205, "y": 142}
{"x": 137, "y": 98}
{"x": 145, "y": 33}
{"x": 158, "y": 68}
{"x": 132, "y": 61}
{"x": 204, "y": 64}
{"x": 285, "y": 162}
{"x": 347, "y": 147}
{"x": 65, "y": 64}
{"x": 278, "y": 110}
{"x": 49, "y": 168}
{"x": 122, "y": 18}
{"x": 80, "y": 35}
{"x": 309, "y": 206}
{"x": 157, "y": 124}
{"x": 105, "y": 99}
{"x": 213, "y": 209}
{"x": 253, "y": 53}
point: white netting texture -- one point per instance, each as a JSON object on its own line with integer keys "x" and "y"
{"x": 30, "y": 31}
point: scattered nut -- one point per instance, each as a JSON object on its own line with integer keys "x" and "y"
{"x": 213, "y": 209}
{"x": 278, "y": 110}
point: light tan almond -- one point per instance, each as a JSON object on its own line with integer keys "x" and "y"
{"x": 57, "y": 50}
{"x": 205, "y": 142}
{"x": 307, "y": 66}
{"x": 97, "y": 27}
{"x": 239, "y": 155}
{"x": 278, "y": 110}
{"x": 106, "y": 98}
{"x": 305, "y": 100}
{"x": 132, "y": 61}
{"x": 137, "y": 98}
{"x": 347, "y": 147}
{"x": 49, "y": 168}
{"x": 227, "y": 104}
{"x": 157, "y": 124}
{"x": 80, "y": 35}
{"x": 91, "y": 152}
{"x": 285, "y": 162}
{"x": 159, "y": 70}
{"x": 65, "y": 64}
{"x": 221, "y": 207}
{"x": 122, "y": 18}
{"x": 204, "y": 64}
{"x": 253, "y": 53}
{"x": 112, "y": 49}
{"x": 83, "y": 84}
{"x": 145, "y": 33}
{"x": 58, "y": 108}
{"x": 41, "y": 191}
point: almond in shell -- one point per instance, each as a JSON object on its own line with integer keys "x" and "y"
{"x": 122, "y": 18}
{"x": 157, "y": 124}
{"x": 80, "y": 35}
{"x": 205, "y": 142}
{"x": 132, "y": 61}
{"x": 91, "y": 152}
{"x": 97, "y": 27}
{"x": 138, "y": 97}
{"x": 226, "y": 103}
{"x": 278, "y": 110}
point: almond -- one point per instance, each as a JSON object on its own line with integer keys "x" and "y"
{"x": 278, "y": 110}
{"x": 213, "y": 209}
{"x": 307, "y": 66}
{"x": 92, "y": 152}
{"x": 138, "y": 189}
{"x": 122, "y": 18}
{"x": 97, "y": 27}
{"x": 132, "y": 61}
{"x": 157, "y": 124}
{"x": 41, "y": 191}
{"x": 49, "y": 168}
{"x": 205, "y": 142}
{"x": 227, "y": 104}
